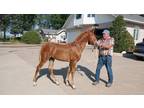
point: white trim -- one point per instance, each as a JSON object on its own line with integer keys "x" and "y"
{"x": 139, "y": 54}
{"x": 140, "y": 22}
{"x": 126, "y": 19}
{"x": 136, "y": 33}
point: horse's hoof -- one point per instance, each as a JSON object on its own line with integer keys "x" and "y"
{"x": 73, "y": 86}
{"x": 34, "y": 84}
{"x": 57, "y": 83}
{"x": 67, "y": 83}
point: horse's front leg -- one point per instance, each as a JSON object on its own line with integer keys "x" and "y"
{"x": 67, "y": 77}
{"x": 71, "y": 74}
{"x": 50, "y": 67}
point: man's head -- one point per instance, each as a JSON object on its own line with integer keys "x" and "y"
{"x": 106, "y": 34}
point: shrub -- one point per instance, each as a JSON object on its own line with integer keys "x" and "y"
{"x": 31, "y": 37}
{"x": 127, "y": 42}
{"x": 123, "y": 40}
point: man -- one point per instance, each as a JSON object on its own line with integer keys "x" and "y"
{"x": 105, "y": 47}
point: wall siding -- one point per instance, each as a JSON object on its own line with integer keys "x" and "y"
{"x": 73, "y": 34}
{"x": 140, "y": 36}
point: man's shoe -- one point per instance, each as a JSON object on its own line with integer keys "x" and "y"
{"x": 95, "y": 83}
{"x": 108, "y": 84}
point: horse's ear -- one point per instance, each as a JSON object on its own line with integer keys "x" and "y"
{"x": 93, "y": 30}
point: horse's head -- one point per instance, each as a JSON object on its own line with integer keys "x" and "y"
{"x": 91, "y": 37}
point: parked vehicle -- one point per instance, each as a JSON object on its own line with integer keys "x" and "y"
{"x": 139, "y": 50}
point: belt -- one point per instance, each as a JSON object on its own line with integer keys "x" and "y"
{"x": 104, "y": 55}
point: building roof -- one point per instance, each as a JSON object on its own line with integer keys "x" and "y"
{"x": 133, "y": 18}
{"x": 51, "y": 31}
{"x": 69, "y": 21}
{"x": 136, "y": 18}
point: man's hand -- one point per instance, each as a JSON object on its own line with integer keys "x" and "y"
{"x": 106, "y": 46}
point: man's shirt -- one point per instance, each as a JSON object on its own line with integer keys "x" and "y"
{"x": 108, "y": 42}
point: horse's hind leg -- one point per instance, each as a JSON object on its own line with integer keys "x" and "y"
{"x": 50, "y": 67}
{"x": 37, "y": 70}
{"x": 43, "y": 59}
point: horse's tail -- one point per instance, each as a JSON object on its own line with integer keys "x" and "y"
{"x": 40, "y": 56}
{"x": 40, "y": 53}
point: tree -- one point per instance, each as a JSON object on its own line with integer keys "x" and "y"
{"x": 28, "y": 21}
{"x": 43, "y": 21}
{"x": 16, "y": 24}
{"x": 20, "y": 23}
{"x": 123, "y": 40}
{"x": 58, "y": 20}
{"x": 54, "y": 21}
{"x": 4, "y": 23}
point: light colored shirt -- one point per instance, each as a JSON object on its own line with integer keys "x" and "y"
{"x": 104, "y": 51}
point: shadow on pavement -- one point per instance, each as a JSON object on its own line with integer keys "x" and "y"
{"x": 63, "y": 72}
{"x": 133, "y": 57}
{"x": 89, "y": 73}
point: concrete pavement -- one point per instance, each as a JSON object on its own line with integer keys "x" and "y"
{"x": 17, "y": 66}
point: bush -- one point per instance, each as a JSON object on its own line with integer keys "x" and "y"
{"x": 31, "y": 37}
{"x": 123, "y": 40}
{"x": 127, "y": 42}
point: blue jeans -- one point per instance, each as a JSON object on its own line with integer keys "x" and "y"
{"x": 107, "y": 61}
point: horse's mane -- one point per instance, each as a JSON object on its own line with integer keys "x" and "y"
{"x": 81, "y": 36}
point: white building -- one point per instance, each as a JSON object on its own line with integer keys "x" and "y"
{"x": 77, "y": 23}
{"x": 54, "y": 35}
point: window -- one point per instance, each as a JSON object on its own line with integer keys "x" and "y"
{"x": 78, "y": 16}
{"x": 88, "y": 15}
{"x": 91, "y": 15}
{"x": 136, "y": 33}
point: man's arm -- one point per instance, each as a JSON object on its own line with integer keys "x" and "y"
{"x": 106, "y": 46}
{"x": 111, "y": 44}
{"x": 94, "y": 46}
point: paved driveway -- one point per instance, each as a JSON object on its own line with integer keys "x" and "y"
{"x": 17, "y": 66}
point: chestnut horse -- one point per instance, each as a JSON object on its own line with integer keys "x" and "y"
{"x": 70, "y": 52}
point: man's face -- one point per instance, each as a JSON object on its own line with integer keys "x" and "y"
{"x": 105, "y": 35}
